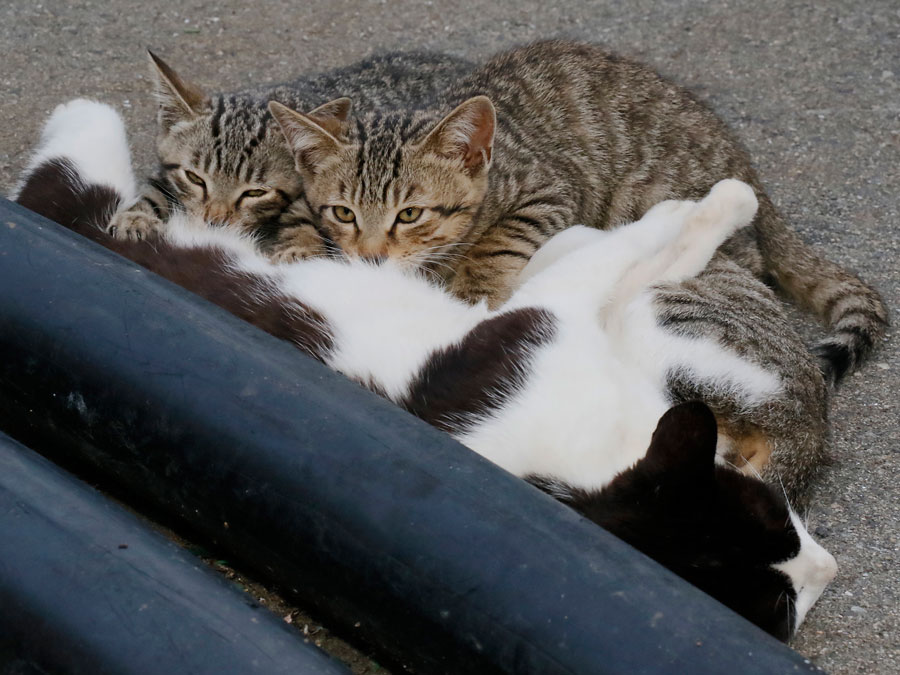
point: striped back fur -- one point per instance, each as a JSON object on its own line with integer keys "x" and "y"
{"x": 554, "y": 356}
{"x": 573, "y": 135}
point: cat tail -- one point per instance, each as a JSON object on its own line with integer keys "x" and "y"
{"x": 80, "y": 173}
{"x": 853, "y": 311}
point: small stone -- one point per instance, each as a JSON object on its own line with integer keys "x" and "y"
{"x": 822, "y": 531}
{"x": 857, "y": 609}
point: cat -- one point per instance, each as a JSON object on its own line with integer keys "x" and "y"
{"x": 675, "y": 500}
{"x": 223, "y": 159}
{"x": 462, "y": 366}
{"x": 412, "y": 342}
{"x": 474, "y": 180}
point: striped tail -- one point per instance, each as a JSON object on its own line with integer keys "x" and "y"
{"x": 81, "y": 171}
{"x": 850, "y": 309}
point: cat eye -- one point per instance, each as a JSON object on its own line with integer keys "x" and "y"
{"x": 253, "y": 193}
{"x": 194, "y": 178}
{"x": 343, "y": 214}
{"x": 409, "y": 215}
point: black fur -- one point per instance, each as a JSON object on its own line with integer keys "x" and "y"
{"x": 835, "y": 360}
{"x": 467, "y": 380}
{"x": 54, "y": 191}
{"x": 714, "y": 527}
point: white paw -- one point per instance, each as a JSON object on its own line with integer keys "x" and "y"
{"x": 736, "y": 198}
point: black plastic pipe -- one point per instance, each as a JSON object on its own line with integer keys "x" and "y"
{"x": 387, "y": 527}
{"x": 85, "y": 587}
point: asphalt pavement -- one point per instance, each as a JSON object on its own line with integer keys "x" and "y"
{"x": 812, "y": 89}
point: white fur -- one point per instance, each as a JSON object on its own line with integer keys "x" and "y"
{"x": 810, "y": 571}
{"x": 91, "y": 135}
{"x": 592, "y": 394}
{"x": 387, "y": 321}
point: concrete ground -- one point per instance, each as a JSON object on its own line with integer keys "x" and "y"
{"x": 812, "y": 88}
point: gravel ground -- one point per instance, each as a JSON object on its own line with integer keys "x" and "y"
{"x": 810, "y": 87}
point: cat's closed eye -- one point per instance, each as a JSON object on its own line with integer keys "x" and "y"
{"x": 194, "y": 178}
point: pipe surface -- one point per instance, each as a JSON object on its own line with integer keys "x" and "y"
{"x": 391, "y": 530}
{"x": 85, "y": 587}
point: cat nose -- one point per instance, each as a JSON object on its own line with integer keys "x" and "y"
{"x": 217, "y": 215}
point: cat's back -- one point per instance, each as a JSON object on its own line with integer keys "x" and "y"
{"x": 385, "y": 81}
{"x": 578, "y": 79}
{"x": 614, "y": 133}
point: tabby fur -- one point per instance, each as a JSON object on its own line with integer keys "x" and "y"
{"x": 223, "y": 159}
{"x": 537, "y": 139}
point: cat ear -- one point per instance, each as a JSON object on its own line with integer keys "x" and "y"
{"x": 333, "y": 116}
{"x": 684, "y": 442}
{"x": 466, "y": 134}
{"x": 179, "y": 99}
{"x": 308, "y": 139}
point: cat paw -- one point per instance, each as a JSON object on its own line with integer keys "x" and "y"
{"x": 473, "y": 288}
{"x": 296, "y": 244}
{"x": 133, "y": 226}
{"x": 736, "y": 201}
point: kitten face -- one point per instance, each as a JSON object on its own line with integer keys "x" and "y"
{"x": 222, "y": 159}
{"x": 394, "y": 191}
{"x": 728, "y": 534}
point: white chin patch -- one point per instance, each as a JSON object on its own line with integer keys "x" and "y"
{"x": 810, "y": 571}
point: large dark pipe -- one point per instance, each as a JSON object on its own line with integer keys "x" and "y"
{"x": 85, "y": 587}
{"x": 389, "y": 528}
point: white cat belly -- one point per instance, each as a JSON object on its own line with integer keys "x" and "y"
{"x": 593, "y": 398}
{"x": 386, "y": 321}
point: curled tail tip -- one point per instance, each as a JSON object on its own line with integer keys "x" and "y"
{"x": 842, "y": 353}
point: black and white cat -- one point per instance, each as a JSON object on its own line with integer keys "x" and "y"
{"x": 564, "y": 384}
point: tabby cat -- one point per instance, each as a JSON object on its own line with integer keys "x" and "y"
{"x": 403, "y": 338}
{"x": 223, "y": 159}
{"x": 537, "y": 139}
{"x": 470, "y": 370}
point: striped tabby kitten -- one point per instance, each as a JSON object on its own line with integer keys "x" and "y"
{"x": 537, "y": 139}
{"x": 469, "y": 371}
{"x": 223, "y": 159}
{"x": 537, "y": 386}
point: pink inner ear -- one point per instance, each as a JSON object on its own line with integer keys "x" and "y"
{"x": 479, "y": 146}
{"x": 478, "y": 150}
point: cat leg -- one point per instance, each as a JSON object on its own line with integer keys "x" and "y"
{"x": 705, "y": 225}
{"x": 297, "y": 237}
{"x": 145, "y": 216}
{"x": 730, "y": 205}
{"x": 592, "y": 273}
